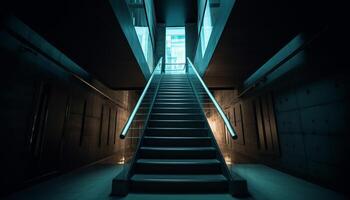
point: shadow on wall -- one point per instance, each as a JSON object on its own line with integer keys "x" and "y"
{"x": 298, "y": 122}
{"x": 51, "y": 121}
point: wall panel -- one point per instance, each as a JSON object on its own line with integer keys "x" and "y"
{"x": 51, "y": 122}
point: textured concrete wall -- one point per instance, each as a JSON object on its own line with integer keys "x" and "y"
{"x": 191, "y": 40}
{"x": 160, "y": 42}
{"x": 298, "y": 122}
{"x": 311, "y": 138}
{"x": 312, "y": 124}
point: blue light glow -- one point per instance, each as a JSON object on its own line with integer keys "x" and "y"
{"x": 175, "y": 50}
{"x": 207, "y": 28}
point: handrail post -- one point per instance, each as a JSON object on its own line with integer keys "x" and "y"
{"x": 163, "y": 68}
{"x": 216, "y": 104}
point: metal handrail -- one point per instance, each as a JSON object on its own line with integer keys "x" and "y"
{"x": 132, "y": 115}
{"x": 216, "y": 104}
{"x": 171, "y": 70}
{"x": 226, "y": 170}
{"x": 174, "y": 63}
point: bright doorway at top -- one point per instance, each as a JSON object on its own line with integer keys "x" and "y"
{"x": 175, "y": 50}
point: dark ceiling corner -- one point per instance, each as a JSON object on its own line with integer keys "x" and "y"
{"x": 89, "y": 34}
{"x": 176, "y": 12}
{"x": 254, "y": 32}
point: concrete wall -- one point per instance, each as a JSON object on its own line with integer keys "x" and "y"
{"x": 191, "y": 40}
{"x": 50, "y": 121}
{"x": 298, "y": 122}
{"x": 160, "y": 42}
{"x": 151, "y": 18}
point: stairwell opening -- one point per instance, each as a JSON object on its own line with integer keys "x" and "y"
{"x": 175, "y": 50}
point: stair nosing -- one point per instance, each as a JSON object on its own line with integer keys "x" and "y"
{"x": 177, "y": 128}
{"x": 178, "y": 148}
{"x": 179, "y": 178}
{"x": 176, "y": 138}
{"x": 177, "y": 120}
{"x": 176, "y": 113}
{"x": 175, "y": 108}
{"x": 178, "y": 161}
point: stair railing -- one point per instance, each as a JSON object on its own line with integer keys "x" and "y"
{"x": 139, "y": 116}
{"x": 221, "y": 129}
{"x": 134, "y": 128}
{"x": 199, "y": 84}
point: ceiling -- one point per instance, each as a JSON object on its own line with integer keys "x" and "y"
{"x": 176, "y": 12}
{"x": 254, "y": 32}
{"x": 89, "y": 34}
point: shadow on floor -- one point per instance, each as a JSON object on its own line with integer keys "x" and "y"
{"x": 95, "y": 182}
{"x": 265, "y": 183}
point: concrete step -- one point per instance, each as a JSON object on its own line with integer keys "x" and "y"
{"x": 176, "y": 132}
{"x": 178, "y": 166}
{"x": 176, "y": 141}
{"x": 177, "y": 123}
{"x": 178, "y": 152}
{"x": 170, "y": 183}
{"x": 176, "y": 116}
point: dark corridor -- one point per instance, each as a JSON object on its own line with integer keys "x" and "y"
{"x": 250, "y": 101}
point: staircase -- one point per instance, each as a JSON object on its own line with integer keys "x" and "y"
{"x": 177, "y": 153}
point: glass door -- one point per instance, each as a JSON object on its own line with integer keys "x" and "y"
{"x": 175, "y": 50}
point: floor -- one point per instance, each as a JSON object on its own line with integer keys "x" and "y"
{"x": 265, "y": 183}
{"x": 94, "y": 182}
